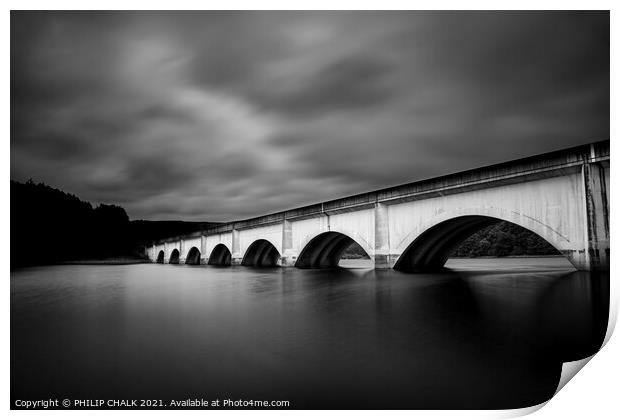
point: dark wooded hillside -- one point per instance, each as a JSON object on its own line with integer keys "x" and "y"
{"x": 51, "y": 226}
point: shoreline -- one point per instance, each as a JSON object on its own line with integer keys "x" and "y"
{"x": 483, "y": 257}
{"x": 109, "y": 261}
{"x": 125, "y": 261}
{"x": 130, "y": 261}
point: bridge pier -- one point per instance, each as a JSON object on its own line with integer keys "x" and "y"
{"x": 382, "y": 237}
{"x": 384, "y": 258}
{"x": 236, "y": 257}
{"x": 596, "y": 203}
{"x": 204, "y": 258}
{"x": 288, "y": 257}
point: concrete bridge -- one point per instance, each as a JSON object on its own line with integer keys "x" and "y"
{"x": 562, "y": 196}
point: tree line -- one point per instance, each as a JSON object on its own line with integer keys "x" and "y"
{"x": 51, "y": 226}
{"x": 504, "y": 239}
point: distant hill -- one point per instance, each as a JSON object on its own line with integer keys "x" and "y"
{"x": 50, "y": 226}
{"x": 504, "y": 239}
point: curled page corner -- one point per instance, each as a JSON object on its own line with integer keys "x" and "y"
{"x": 614, "y": 297}
{"x": 518, "y": 412}
{"x": 570, "y": 369}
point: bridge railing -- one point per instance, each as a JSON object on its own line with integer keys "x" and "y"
{"x": 258, "y": 221}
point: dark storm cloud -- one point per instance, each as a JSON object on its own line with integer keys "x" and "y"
{"x": 223, "y": 115}
{"x": 164, "y": 112}
{"x": 347, "y": 84}
{"x": 536, "y": 57}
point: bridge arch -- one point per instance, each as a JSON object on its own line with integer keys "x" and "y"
{"x": 193, "y": 256}
{"x": 160, "y": 257}
{"x": 555, "y": 238}
{"x": 324, "y": 250}
{"x": 261, "y": 253}
{"x": 174, "y": 257}
{"x": 220, "y": 255}
{"x": 431, "y": 245}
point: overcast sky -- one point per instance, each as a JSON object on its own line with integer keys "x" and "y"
{"x": 216, "y": 116}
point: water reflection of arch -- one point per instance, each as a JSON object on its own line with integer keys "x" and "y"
{"x": 193, "y": 256}
{"x": 431, "y": 245}
{"x": 220, "y": 255}
{"x": 261, "y": 253}
{"x": 325, "y": 250}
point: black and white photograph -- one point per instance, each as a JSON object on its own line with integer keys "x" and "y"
{"x": 307, "y": 209}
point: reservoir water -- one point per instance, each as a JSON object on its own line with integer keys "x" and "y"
{"x": 486, "y": 333}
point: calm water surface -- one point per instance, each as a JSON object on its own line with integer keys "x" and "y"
{"x": 488, "y": 333}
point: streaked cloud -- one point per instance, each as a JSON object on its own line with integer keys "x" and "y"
{"x": 224, "y": 115}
